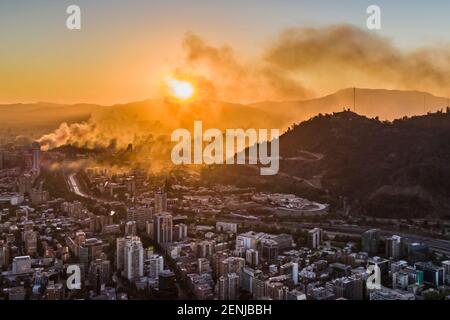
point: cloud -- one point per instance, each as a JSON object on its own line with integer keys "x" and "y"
{"x": 235, "y": 79}
{"x": 343, "y": 55}
{"x": 309, "y": 62}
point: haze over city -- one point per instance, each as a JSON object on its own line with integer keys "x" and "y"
{"x": 257, "y": 151}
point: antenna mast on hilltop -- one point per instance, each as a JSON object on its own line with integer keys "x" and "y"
{"x": 354, "y": 99}
{"x": 424, "y": 99}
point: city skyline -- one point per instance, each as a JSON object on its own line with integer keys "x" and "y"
{"x": 258, "y": 151}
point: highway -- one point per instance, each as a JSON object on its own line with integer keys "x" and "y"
{"x": 439, "y": 245}
{"x": 74, "y": 186}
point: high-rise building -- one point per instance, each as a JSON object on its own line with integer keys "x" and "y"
{"x": 269, "y": 250}
{"x": 166, "y": 284}
{"x": 80, "y": 239}
{"x": 231, "y": 265}
{"x": 392, "y": 247}
{"x": 180, "y": 231}
{"x": 370, "y": 240}
{"x": 415, "y": 276}
{"x": 285, "y": 241}
{"x": 259, "y": 286}
{"x": 141, "y": 215}
{"x": 205, "y": 248}
{"x": 155, "y": 265}
{"x": 4, "y": 256}
{"x": 163, "y": 232}
{"x": 150, "y": 229}
{"x": 25, "y": 184}
{"x": 160, "y": 201}
{"x": 248, "y": 276}
{"x": 39, "y": 196}
{"x": 400, "y": 280}
{"x": 350, "y": 288}
{"x": 252, "y": 257}
{"x": 315, "y": 238}
{"x": 432, "y": 275}
{"x": 295, "y": 273}
{"x": 418, "y": 252}
{"x": 218, "y": 258}
{"x": 398, "y": 265}
{"x": 277, "y": 291}
{"x": 445, "y": 265}
{"x": 353, "y": 288}
{"x": 120, "y": 253}
{"x": 134, "y": 258}
{"x": 83, "y": 255}
{"x": 130, "y": 228}
{"x": 99, "y": 272}
{"x": 226, "y": 226}
{"x": 36, "y": 150}
{"x": 21, "y": 264}
{"x": 130, "y": 183}
{"x": 228, "y": 287}
{"x": 30, "y": 240}
{"x": 248, "y": 240}
{"x": 94, "y": 247}
{"x": 383, "y": 264}
{"x": 203, "y": 265}
{"x": 73, "y": 209}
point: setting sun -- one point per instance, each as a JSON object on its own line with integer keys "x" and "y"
{"x": 180, "y": 89}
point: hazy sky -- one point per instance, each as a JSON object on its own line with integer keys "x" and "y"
{"x": 125, "y": 47}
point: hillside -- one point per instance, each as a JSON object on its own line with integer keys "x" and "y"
{"x": 42, "y": 118}
{"x": 385, "y": 169}
{"x": 38, "y": 118}
{"x": 385, "y": 104}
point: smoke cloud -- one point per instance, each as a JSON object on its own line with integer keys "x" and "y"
{"x": 344, "y": 55}
{"x": 309, "y": 62}
{"x": 300, "y": 63}
{"x": 234, "y": 79}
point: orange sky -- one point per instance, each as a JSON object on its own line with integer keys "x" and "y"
{"x": 125, "y": 50}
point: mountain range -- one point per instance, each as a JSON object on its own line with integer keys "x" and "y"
{"x": 40, "y": 118}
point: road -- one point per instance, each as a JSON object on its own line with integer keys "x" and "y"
{"x": 439, "y": 245}
{"x": 74, "y": 186}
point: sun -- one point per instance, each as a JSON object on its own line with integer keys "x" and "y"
{"x": 180, "y": 89}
